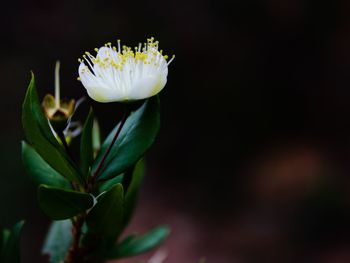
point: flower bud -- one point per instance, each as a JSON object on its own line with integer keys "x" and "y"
{"x": 58, "y": 111}
{"x": 58, "y": 114}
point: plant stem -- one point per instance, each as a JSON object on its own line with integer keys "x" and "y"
{"x": 65, "y": 144}
{"x": 75, "y": 255}
{"x": 99, "y": 167}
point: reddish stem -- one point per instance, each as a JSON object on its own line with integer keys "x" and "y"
{"x": 99, "y": 167}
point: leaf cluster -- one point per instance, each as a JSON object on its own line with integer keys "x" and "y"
{"x": 100, "y": 190}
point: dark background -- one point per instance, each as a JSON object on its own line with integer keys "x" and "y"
{"x": 252, "y": 162}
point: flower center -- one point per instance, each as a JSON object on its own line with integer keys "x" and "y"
{"x": 121, "y": 56}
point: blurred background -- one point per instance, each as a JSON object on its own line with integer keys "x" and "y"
{"x": 252, "y": 161}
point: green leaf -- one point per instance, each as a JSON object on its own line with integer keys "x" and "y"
{"x": 132, "y": 181}
{"x": 126, "y": 241}
{"x": 11, "y": 249}
{"x": 39, "y": 135}
{"x": 106, "y": 218}
{"x": 86, "y": 149}
{"x": 105, "y": 186}
{"x": 60, "y": 203}
{"x": 136, "y": 137}
{"x": 2, "y": 239}
{"x": 5, "y": 235}
{"x": 58, "y": 240}
{"x": 132, "y": 246}
{"x": 39, "y": 170}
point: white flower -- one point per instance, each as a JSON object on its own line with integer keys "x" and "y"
{"x": 121, "y": 74}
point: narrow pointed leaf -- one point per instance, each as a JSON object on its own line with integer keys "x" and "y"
{"x": 137, "y": 135}
{"x": 39, "y": 170}
{"x": 106, "y": 218}
{"x": 5, "y": 235}
{"x": 141, "y": 244}
{"x": 2, "y": 240}
{"x": 58, "y": 240}
{"x": 105, "y": 186}
{"x": 133, "y": 182}
{"x": 86, "y": 148}
{"x": 11, "y": 249}
{"x": 39, "y": 135}
{"x": 60, "y": 203}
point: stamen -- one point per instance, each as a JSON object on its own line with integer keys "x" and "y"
{"x": 134, "y": 60}
{"x": 172, "y": 58}
{"x": 118, "y": 45}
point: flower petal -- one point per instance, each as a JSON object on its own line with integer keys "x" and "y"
{"x": 97, "y": 87}
{"x": 146, "y": 86}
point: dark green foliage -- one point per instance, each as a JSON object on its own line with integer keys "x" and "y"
{"x": 39, "y": 135}
{"x": 134, "y": 245}
{"x": 100, "y": 207}
{"x": 39, "y": 170}
{"x": 86, "y": 149}
{"x": 106, "y": 217}
{"x": 134, "y": 179}
{"x": 136, "y": 137}
{"x": 105, "y": 186}
{"x": 10, "y": 252}
{"x": 61, "y": 204}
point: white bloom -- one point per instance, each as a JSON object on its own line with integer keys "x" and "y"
{"x": 121, "y": 74}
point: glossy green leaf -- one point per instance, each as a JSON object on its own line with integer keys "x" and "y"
{"x": 39, "y": 135}
{"x": 39, "y": 170}
{"x": 58, "y": 240}
{"x": 106, "y": 218}
{"x": 126, "y": 241}
{"x": 132, "y": 182}
{"x": 60, "y": 203}
{"x": 2, "y": 239}
{"x": 5, "y": 235}
{"x": 86, "y": 149}
{"x": 132, "y": 246}
{"x": 137, "y": 135}
{"x": 105, "y": 186}
{"x": 11, "y": 248}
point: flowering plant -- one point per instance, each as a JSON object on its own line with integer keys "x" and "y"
{"x": 91, "y": 199}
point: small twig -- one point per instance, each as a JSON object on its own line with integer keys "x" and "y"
{"x": 74, "y": 254}
{"x": 66, "y": 147}
{"x": 99, "y": 167}
{"x": 65, "y": 144}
